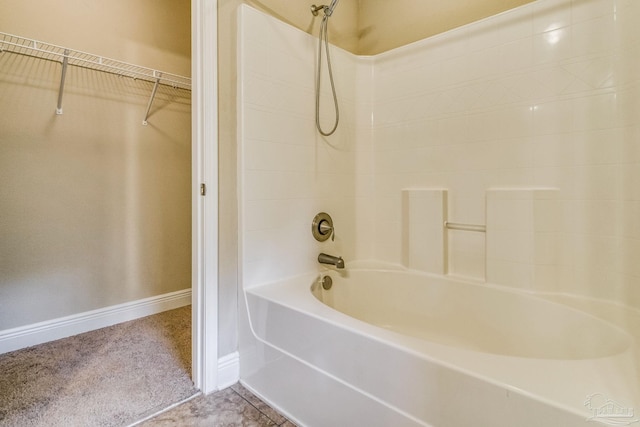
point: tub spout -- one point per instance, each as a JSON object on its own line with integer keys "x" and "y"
{"x": 332, "y": 260}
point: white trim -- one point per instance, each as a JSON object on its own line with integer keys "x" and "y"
{"x": 51, "y": 330}
{"x": 204, "y": 64}
{"x": 228, "y": 370}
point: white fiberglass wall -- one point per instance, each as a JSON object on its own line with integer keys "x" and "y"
{"x": 544, "y": 96}
{"x": 288, "y": 172}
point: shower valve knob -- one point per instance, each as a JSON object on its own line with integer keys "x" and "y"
{"x": 325, "y": 228}
{"x": 322, "y": 227}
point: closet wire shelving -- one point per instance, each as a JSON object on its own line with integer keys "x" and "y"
{"x": 65, "y": 56}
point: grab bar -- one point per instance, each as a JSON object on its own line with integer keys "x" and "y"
{"x": 465, "y": 227}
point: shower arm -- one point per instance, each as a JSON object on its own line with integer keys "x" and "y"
{"x": 315, "y": 9}
{"x": 328, "y": 10}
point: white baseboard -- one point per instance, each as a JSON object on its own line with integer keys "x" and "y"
{"x": 228, "y": 370}
{"x": 51, "y": 330}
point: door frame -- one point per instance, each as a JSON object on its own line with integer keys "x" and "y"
{"x": 204, "y": 163}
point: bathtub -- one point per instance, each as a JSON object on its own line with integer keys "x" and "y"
{"x": 391, "y": 347}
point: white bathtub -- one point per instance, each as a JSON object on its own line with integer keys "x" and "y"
{"x": 393, "y": 348}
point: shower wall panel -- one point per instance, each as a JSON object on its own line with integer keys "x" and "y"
{"x": 288, "y": 172}
{"x": 545, "y": 95}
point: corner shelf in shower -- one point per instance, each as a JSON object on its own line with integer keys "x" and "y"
{"x": 66, "y": 57}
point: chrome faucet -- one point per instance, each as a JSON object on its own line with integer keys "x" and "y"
{"x": 332, "y": 260}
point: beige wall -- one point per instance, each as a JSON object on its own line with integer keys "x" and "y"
{"x": 384, "y": 24}
{"x": 343, "y": 24}
{"x": 368, "y": 27}
{"x": 150, "y": 33}
{"x": 94, "y": 206}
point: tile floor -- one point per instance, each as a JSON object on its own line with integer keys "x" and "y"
{"x": 234, "y": 406}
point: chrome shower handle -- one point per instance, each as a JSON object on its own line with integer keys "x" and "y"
{"x": 325, "y": 227}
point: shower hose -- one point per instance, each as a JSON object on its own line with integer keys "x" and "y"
{"x": 324, "y": 37}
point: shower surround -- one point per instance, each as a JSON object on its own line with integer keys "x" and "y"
{"x": 542, "y": 99}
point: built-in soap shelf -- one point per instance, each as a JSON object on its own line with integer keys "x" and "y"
{"x": 520, "y": 247}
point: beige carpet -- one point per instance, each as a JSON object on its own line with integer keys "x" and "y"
{"x": 110, "y": 377}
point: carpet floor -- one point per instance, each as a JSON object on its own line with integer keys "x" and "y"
{"x": 113, "y": 376}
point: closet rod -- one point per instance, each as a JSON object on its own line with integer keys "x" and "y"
{"x": 34, "y": 48}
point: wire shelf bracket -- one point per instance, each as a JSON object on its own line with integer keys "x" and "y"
{"x": 63, "y": 76}
{"x": 153, "y": 95}
{"x": 65, "y": 57}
